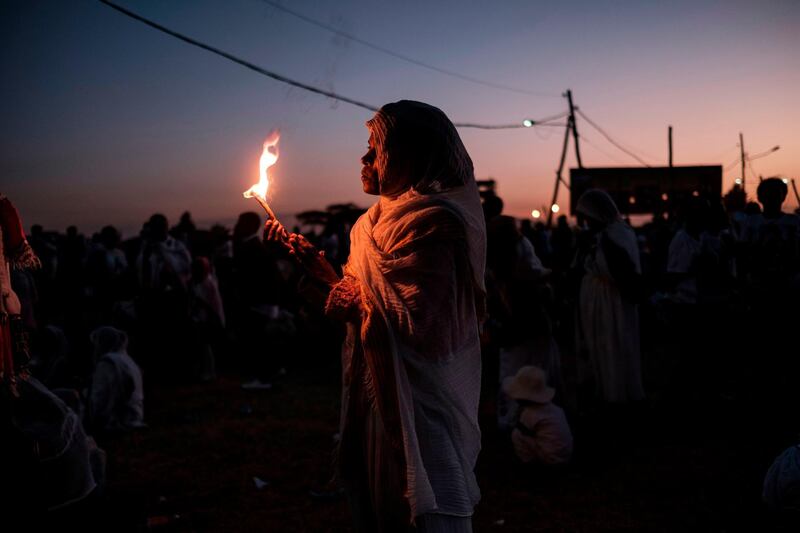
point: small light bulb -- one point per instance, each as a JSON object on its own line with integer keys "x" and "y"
{"x": 535, "y": 213}
{"x": 527, "y": 123}
{"x": 555, "y": 208}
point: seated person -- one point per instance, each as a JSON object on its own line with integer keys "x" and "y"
{"x": 116, "y": 398}
{"x": 542, "y": 435}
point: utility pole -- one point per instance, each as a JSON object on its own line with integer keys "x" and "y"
{"x": 574, "y": 128}
{"x": 571, "y": 128}
{"x": 797, "y": 196}
{"x": 741, "y": 147}
{"x": 670, "y": 147}
{"x": 558, "y": 173}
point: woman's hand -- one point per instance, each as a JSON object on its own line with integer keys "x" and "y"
{"x": 312, "y": 260}
{"x": 274, "y": 232}
{"x": 302, "y": 251}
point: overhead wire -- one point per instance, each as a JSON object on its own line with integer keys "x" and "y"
{"x": 596, "y": 147}
{"x": 611, "y": 140}
{"x": 294, "y": 83}
{"x": 403, "y": 57}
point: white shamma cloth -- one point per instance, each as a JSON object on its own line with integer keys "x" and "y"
{"x": 412, "y": 362}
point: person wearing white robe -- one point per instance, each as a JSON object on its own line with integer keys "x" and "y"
{"x": 412, "y": 297}
{"x": 608, "y": 318}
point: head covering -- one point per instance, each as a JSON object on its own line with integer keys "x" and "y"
{"x": 107, "y": 340}
{"x": 530, "y": 383}
{"x": 418, "y": 147}
{"x": 15, "y": 247}
{"x": 598, "y": 205}
{"x": 16, "y": 252}
{"x": 782, "y": 482}
{"x": 418, "y": 256}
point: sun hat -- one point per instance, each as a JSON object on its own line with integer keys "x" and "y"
{"x": 530, "y": 383}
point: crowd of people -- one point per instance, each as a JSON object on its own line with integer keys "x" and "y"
{"x": 571, "y": 314}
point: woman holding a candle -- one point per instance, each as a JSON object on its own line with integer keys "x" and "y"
{"x": 412, "y": 297}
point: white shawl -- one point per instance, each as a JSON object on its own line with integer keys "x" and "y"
{"x": 419, "y": 260}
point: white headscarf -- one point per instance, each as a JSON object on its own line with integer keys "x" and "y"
{"x": 420, "y": 329}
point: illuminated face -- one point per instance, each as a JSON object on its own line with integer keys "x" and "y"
{"x": 369, "y": 170}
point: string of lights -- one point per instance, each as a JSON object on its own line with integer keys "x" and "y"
{"x": 403, "y": 57}
{"x": 527, "y": 123}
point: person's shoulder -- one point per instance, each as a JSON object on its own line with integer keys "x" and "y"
{"x": 789, "y": 219}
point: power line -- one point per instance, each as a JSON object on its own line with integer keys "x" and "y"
{"x": 765, "y": 153}
{"x": 294, "y": 83}
{"x": 596, "y": 147}
{"x": 403, "y": 57}
{"x": 609, "y": 139}
{"x": 235, "y": 59}
{"x": 732, "y": 164}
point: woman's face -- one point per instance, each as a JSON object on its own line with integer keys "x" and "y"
{"x": 369, "y": 171}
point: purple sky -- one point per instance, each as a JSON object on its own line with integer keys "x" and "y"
{"x": 105, "y": 120}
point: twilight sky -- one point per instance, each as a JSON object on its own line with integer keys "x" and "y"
{"x": 104, "y": 120}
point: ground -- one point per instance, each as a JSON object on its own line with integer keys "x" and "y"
{"x": 194, "y": 467}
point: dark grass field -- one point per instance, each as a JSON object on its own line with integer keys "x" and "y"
{"x": 662, "y": 468}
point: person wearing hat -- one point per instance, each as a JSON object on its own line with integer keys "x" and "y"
{"x": 542, "y": 435}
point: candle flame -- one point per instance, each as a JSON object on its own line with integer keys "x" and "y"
{"x": 269, "y": 156}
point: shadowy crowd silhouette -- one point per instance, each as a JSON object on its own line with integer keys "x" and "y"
{"x": 593, "y": 328}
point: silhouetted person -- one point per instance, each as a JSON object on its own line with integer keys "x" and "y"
{"x": 517, "y": 298}
{"x": 772, "y": 237}
{"x": 208, "y": 318}
{"x": 562, "y": 242}
{"x": 116, "y": 395}
{"x": 164, "y": 268}
{"x": 105, "y": 267}
{"x": 541, "y": 434}
{"x": 608, "y": 327}
{"x": 411, "y": 297}
{"x": 258, "y": 295}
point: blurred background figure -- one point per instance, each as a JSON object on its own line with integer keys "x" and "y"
{"x": 116, "y": 395}
{"x": 541, "y": 433}
{"x": 608, "y": 325}
{"x": 207, "y": 315}
{"x": 518, "y": 295}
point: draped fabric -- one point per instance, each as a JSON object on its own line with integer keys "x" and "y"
{"x": 412, "y": 361}
{"x": 15, "y": 252}
{"x": 609, "y": 324}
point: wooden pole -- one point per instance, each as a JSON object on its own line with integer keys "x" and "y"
{"x": 797, "y": 196}
{"x": 558, "y": 173}
{"x": 575, "y": 135}
{"x": 670, "y": 147}
{"x": 741, "y": 148}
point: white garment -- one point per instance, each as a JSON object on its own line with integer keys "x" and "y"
{"x": 540, "y": 351}
{"x": 608, "y": 324}
{"x": 527, "y": 258}
{"x": 117, "y": 395}
{"x": 428, "y": 302}
{"x": 207, "y": 306}
{"x": 549, "y": 439}
{"x": 170, "y": 254}
{"x": 684, "y": 250}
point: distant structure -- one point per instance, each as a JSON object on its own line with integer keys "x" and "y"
{"x": 487, "y": 187}
{"x": 648, "y": 190}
